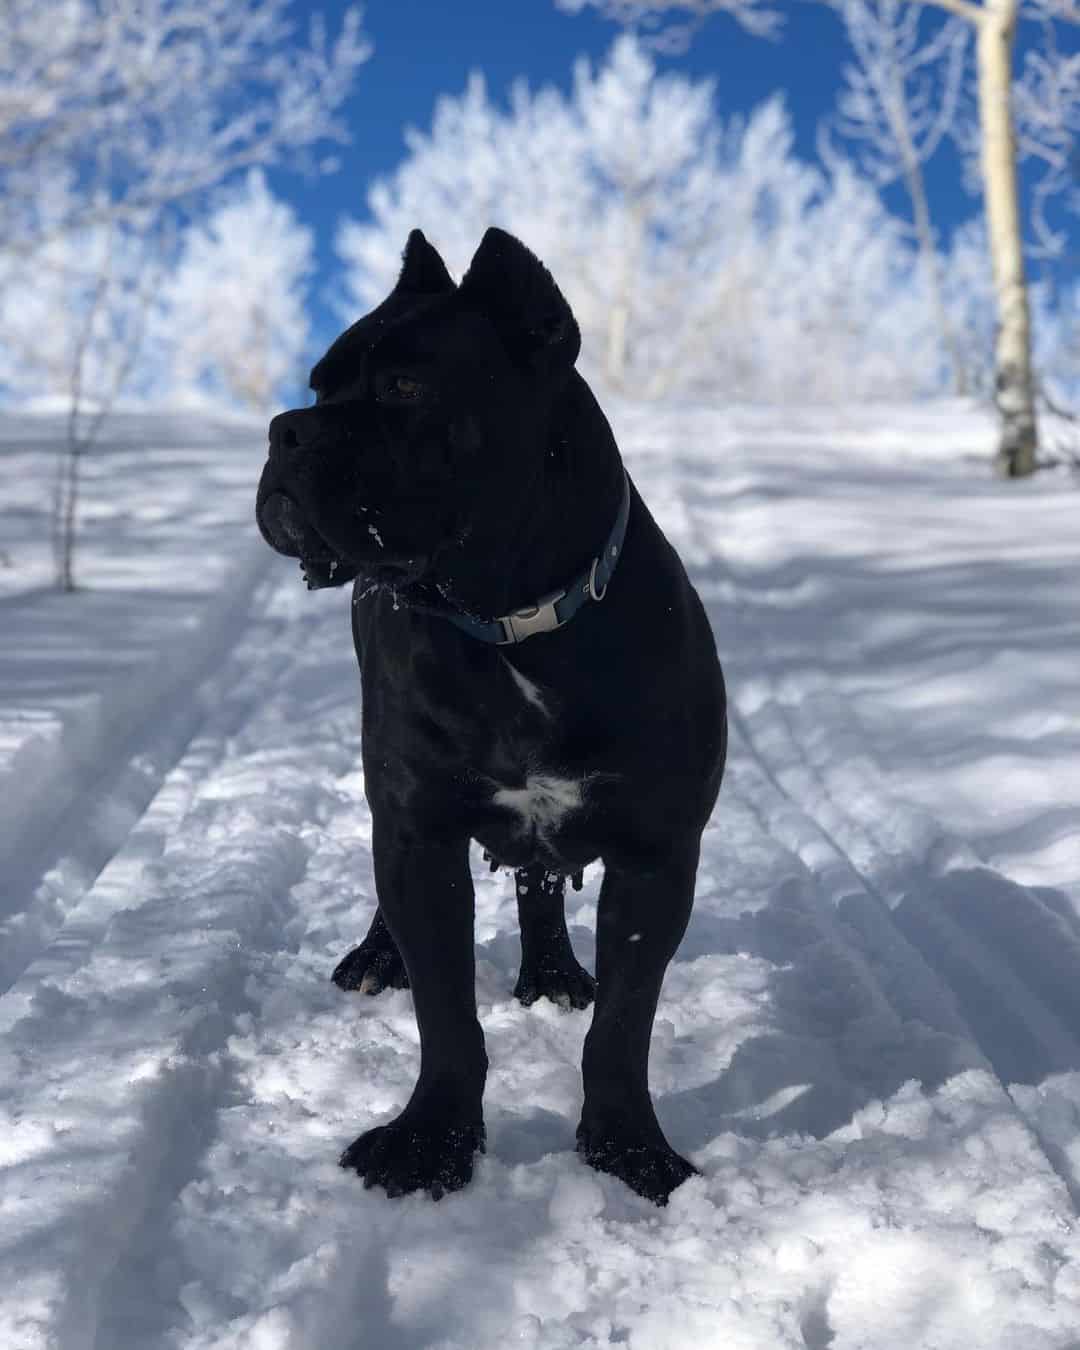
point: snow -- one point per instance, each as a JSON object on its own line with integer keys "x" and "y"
{"x": 869, "y": 1042}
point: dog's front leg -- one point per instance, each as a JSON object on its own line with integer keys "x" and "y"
{"x": 641, "y": 918}
{"x": 426, "y": 898}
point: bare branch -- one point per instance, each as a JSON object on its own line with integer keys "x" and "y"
{"x": 139, "y": 105}
{"x": 963, "y": 9}
{"x": 652, "y": 20}
{"x": 898, "y": 101}
{"x": 1068, "y": 11}
{"x": 1046, "y": 104}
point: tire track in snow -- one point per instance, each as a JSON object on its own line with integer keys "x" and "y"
{"x": 268, "y": 1243}
{"x": 210, "y": 1211}
{"x": 105, "y": 777}
{"x": 951, "y": 942}
{"x": 1032, "y": 935}
{"x": 114, "y": 1050}
{"x": 271, "y": 1244}
{"x": 856, "y": 1012}
{"x": 1004, "y": 957}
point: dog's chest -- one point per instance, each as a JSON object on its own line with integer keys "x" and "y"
{"x": 531, "y": 792}
{"x": 542, "y": 804}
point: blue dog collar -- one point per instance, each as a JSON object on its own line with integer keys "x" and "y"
{"x": 556, "y": 609}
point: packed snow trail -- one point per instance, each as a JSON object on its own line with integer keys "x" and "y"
{"x": 101, "y": 690}
{"x": 72, "y": 813}
{"x": 868, "y": 1041}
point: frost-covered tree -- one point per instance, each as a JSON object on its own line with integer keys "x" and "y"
{"x": 897, "y": 103}
{"x": 476, "y": 166}
{"x": 1035, "y": 116}
{"x": 116, "y": 116}
{"x": 994, "y": 22}
{"x": 691, "y": 249}
{"x": 138, "y": 105}
{"x": 645, "y": 143}
{"x": 1047, "y": 102}
{"x": 847, "y": 314}
{"x": 74, "y": 317}
{"x": 968, "y": 296}
{"x": 232, "y": 323}
{"x": 671, "y": 23}
{"x": 74, "y": 314}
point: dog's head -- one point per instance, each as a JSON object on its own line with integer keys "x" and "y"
{"x": 430, "y": 410}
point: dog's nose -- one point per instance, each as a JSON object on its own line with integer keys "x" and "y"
{"x": 287, "y": 434}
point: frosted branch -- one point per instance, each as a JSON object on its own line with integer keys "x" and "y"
{"x": 135, "y": 105}
{"x": 963, "y": 9}
{"x": 658, "y": 21}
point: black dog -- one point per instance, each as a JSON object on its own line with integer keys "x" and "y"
{"x": 538, "y": 674}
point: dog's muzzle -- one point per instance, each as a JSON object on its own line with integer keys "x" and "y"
{"x": 285, "y": 529}
{"x": 282, "y": 521}
{"x": 283, "y": 526}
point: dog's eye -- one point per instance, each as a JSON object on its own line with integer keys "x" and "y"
{"x": 403, "y": 388}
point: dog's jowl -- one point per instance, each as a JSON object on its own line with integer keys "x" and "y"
{"x": 538, "y": 674}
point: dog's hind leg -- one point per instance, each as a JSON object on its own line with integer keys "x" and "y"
{"x": 373, "y": 966}
{"x": 640, "y": 921}
{"x": 549, "y": 968}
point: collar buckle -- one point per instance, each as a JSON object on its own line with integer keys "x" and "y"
{"x": 539, "y": 618}
{"x": 552, "y": 611}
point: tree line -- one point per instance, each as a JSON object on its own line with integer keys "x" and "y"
{"x": 703, "y": 256}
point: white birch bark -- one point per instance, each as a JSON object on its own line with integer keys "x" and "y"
{"x": 1014, "y": 385}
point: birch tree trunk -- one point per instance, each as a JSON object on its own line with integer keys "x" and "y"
{"x": 1014, "y": 386}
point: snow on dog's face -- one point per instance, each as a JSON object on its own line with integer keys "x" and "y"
{"x": 407, "y": 442}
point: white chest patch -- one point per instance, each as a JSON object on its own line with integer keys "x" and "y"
{"x": 529, "y": 691}
{"x": 542, "y": 802}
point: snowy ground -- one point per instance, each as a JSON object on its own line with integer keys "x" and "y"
{"x": 870, "y": 1040}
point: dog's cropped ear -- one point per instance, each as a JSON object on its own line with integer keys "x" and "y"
{"x": 423, "y": 272}
{"x": 518, "y": 294}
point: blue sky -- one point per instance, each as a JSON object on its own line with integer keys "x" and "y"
{"x": 424, "y": 48}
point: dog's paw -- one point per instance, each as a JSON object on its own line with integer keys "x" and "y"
{"x": 568, "y": 984}
{"x": 648, "y": 1165}
{"x": 403, "y": 1158}
{"x": 371, "y": 968}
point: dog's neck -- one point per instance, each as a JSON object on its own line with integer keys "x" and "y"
{"x": 549, "y": 533}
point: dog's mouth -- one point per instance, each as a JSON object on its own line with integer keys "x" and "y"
{"x": 287, "y": 531}
{"x": 319, "y": 575}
